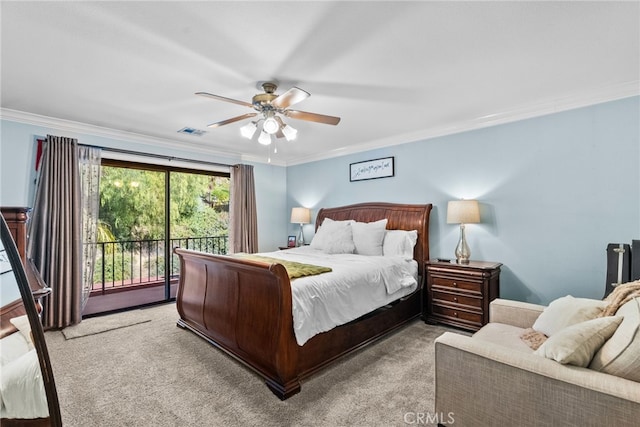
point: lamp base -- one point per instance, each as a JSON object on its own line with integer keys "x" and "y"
{"x": 462, "y": 250}
{"x": 300, "y": 239}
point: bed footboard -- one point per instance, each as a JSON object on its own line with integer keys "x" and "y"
{"x": 244, "y": 308}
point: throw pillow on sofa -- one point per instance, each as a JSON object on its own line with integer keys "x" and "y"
{"x": 619, "y": 356}
{"x": 567, "y": 311}
{"x": 576, "y": 344}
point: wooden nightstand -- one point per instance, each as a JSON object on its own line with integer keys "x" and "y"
{"x": 459, "y": 294}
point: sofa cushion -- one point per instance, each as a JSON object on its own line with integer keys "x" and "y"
{"x": 504, "y": 335}
{"x": 619, "y": 355}
{"x": 567, "y": 311}
{"x": 576, "y": 344}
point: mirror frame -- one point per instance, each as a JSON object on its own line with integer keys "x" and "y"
{"x": 37, "y": 331}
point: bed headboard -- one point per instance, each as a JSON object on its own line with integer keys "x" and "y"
{"x": 399, "y": 216}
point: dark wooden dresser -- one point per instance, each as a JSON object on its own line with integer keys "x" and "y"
{"x": 16, "y": 219}
{"x": 459, "y": 294}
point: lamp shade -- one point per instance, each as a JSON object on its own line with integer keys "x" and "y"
{"x": 300, "y": 216}
{"x": 264, "y": 138}
{"x": 289, "y": 132}
{"x": 248, "y": 130}
{"x": 270, "y": 125}
{"x": 463, "y": 212}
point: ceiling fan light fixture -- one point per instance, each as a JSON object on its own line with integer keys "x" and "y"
{"x": 269, "y": 107}
{"x": 270, "y": 125}
{"x": 264, "y": 138}
{"x": 290, "y": 133}
{"x": 249, "y": 130}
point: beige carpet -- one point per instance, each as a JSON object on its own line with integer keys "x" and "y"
{"x": 156, "y": 374}
{"x": 98, "y": 325}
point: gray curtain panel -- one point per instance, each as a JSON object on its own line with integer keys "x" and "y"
{"x": 55, "y": 232}
{"x": 243, "y": 233}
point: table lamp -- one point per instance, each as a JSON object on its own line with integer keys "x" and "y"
{"x": 300, "y": 216}
{"x": 463, "y": 212}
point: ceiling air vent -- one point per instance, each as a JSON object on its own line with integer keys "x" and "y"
{"x": 192, "y": 131}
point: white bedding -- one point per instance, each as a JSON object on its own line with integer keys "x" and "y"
{"x": 357, "y": 285}
{"x": 22, "y": 393}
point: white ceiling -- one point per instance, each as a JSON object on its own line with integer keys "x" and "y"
{"x": 394, "y": 72}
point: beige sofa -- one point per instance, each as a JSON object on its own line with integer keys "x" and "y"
{"x": 493, "y": 378}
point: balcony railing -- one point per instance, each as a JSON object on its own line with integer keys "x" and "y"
{"x": 142, "y": 262}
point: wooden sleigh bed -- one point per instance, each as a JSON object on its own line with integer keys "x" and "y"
{"x": 244, "y": 307}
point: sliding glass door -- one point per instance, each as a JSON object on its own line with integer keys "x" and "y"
{"x": 146, "y": 211}
{"x": 199, "y": 214}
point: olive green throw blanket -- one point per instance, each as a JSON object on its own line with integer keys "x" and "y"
{"x": 294, "y": 269}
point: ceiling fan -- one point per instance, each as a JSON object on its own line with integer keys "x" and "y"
{"x": 270, "y": 107}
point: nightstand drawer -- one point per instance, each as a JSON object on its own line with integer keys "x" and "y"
{"x": 459, "y": 294}
{"x": 457, "y": 314}
{"x": 457, "y": 299}
{"x": 446, "y": 282}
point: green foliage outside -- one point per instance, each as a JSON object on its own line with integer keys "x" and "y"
{"x": 132, "y": 208}
{"x": 199, "y": 205}
{"x": 132, "y": 204}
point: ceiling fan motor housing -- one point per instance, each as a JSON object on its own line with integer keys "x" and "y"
{"x": 261, "y": 100}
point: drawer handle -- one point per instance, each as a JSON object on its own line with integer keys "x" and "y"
{"x": 455, "y": 284}
{"x": 455, "y": 313}
{"x": 455, "y": 299}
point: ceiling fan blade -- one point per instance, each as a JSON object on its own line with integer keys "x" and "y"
{"x": 232, "y": 120}
{"x": 290, "y": 97}
{"x": 222, "y": 98}
{"x": 312, "y": 117}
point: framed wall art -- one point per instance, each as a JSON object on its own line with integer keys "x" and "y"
{"x": 371, "y": 169}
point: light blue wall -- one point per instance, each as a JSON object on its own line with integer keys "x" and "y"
{"x": 271, "y": 201}
{"x": 17, "y": 174}
{"x": 554, "y": 190}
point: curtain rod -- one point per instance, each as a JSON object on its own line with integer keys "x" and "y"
{"x": 157, "y": 156}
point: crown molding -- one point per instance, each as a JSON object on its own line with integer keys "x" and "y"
{"x": 556, "y": 105}
{"x": 594, "y": 97}
{"x": 99, "y": 131}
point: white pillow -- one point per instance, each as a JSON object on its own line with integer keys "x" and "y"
{"x": 334, "y": 237}
{"x": 619, "y": 356}
{"x": 399, "y": 243}
{"x": 11, "y": 347}
{"x": 322, "y": 234}
{"x": 567, "y": 311}
{"x": 22, "y": 324}
{"x": 576, "y": 344}
{"x": 368, "y": 237}
{"x": 22, "y": 388}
